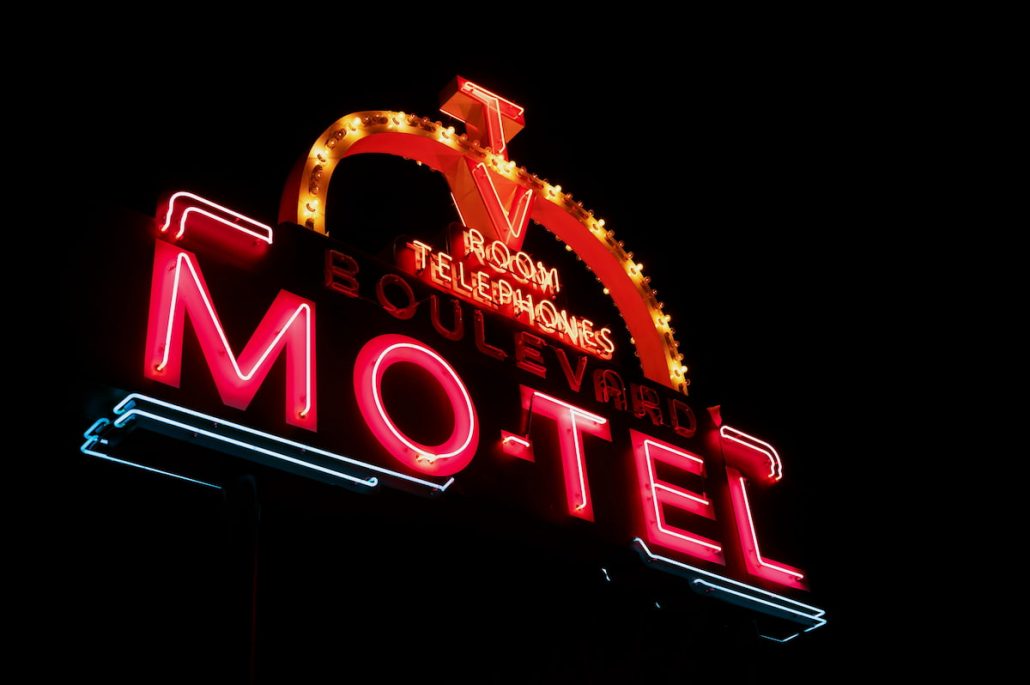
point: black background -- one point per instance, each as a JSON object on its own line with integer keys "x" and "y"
{"x": 745, "y": 179}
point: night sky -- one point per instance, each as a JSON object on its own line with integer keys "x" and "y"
{"x": 740, "y": 177}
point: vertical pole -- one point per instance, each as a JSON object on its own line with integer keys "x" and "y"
{"x": 244, "y": 516}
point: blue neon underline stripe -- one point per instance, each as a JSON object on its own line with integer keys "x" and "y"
{"x": 818, "y": 612}
{"x": 370, "y": 482}
{"x": 752, "y": 598}
{"x": 121, "y": 408}
{"x": 85, "y": 449}
{"x": 776, "y": 639}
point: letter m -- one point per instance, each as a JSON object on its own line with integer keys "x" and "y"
{"x": 178, "y": 291}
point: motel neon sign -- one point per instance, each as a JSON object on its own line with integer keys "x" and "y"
{"x": 689, "y": 474}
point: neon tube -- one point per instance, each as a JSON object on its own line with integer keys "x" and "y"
{"x": 257, "y": 229}
{"x": 123, "y": 407}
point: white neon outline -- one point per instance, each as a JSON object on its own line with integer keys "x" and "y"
{"x": 266, "y": 237}
{"x": 90, "y": 433}
{"x": 492, "y": 101}
{"x": 183, "y": 256}
{"x": 376, "y": 379}
{"x": 516, "y": 439}
{"x": 754, "y": 537}
{"x": 816, "y": 616}
{"x": 660, "y": 486}
{"x": 122, "y": 407}
{"x": 776, "y": 639}
{"x": 593, "y": 417}
{"x": 681, "y": 493}
{"x": 654, "y": 498}
{"x": 577, "y": 441}
{"x": 521, "y": 208}
{"x": 775, "y": 465}
{"x": 668, "y": 448}
{"x": 469, "y": 85}
{"x": 458, "y": 209}
{"x": 120, "y": 422}
{"x": 87, "y": 449}
{"x": 698, "y": 581}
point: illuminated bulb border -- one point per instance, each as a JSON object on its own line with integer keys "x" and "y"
{"x": 332, "y": 145}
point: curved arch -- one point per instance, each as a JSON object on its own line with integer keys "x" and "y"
{"x": 440, "y": 148}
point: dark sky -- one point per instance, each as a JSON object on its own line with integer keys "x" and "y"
{"x": 744, "y": 176}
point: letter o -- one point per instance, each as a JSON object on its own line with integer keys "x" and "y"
{"x": 499, "y": 256}
{"x": 445, "y": 459}
{"x": 405, "y": 312}
{"x": 524, "y": 268}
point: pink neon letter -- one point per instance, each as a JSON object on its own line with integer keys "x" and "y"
{"x": 445, "y": 459}
{"x": 758, "y": 458}
{"x": 178, "y": 290}
{"x": 656, "y": 494}
{"x": 188, "y": 209}
{"x": 572, "y": 423}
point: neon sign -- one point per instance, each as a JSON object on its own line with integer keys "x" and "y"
{"x": 472, "y": 320}
{"x": 495, "y": 278}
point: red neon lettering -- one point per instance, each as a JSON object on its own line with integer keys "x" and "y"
{"x": 748, "y": 453}
{"x": 516, "y": 446}
{"x": 604, "y": 336}
{"x": 445, "y": 459}
{"x": 573, "y": 378}
{"x": 645, "y": 401}
{"x": 740, "y": 450}
{"x": 757, "y": 565}
{"x": 527, "y": 354}
{"x": 484, "y": 274}
{"x": 523, "y": 304}
{"x": 500, "y": 256}
{"x": 178, "y": 290}
{"x": 682, "y": 417}
{"x": 609, "y": 387}
{"x": 440, "y": 268}
{"x": 457, "y": 332}
{"x": 461, "y": 284}
{"x": 572, "y": 423}
{"x": 505, "y": 293}
{"x": 482, "y": 291}
{"x": 480, "y": 335}
{"x": 657, "y": 494}
{"x": 421, "y": 250}
{"x": 405, "y": 312}
{"x": 341, "y": 273}
{"x": 548, "y": 319}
